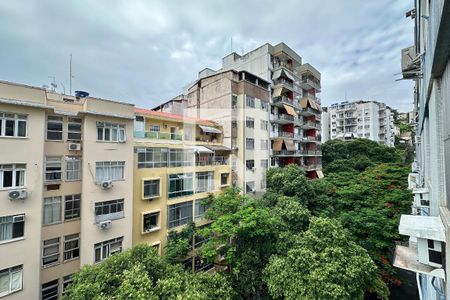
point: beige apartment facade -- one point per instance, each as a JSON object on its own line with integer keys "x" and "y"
{"x": 75, "y": 197}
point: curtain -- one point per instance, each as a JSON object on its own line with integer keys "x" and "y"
{"x": 4, "y": 282}
{"x": 16, "y": 280}
{"x": 6, "y": 227}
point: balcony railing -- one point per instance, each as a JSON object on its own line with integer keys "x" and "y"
{"x": 211, "y": 161}
{"x": 283, "y": 117}
{"x": 310, "y": 111}
{"x": 312, "y": 167}
{"x": 310, "y": 138}
{"x": 286, "y": 100}
{"x": 312, "y": 152}
{"x": 158, "y": 135}
{"x": 283, "y": 82}
{"x": 283, "y": 134}
{"x": 288, "y": 153}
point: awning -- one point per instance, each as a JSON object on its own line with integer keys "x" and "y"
{"x": 208, "y": 129}
{"x": 304, "y": 102}
{"x": 277, "y": 144}
{"x": 407, "y": 258}
{"x": 278, "y": 73}
{"x": 287, "y": 75}
{"x": 290, "y": 110}
{"x": 319, "y": 174}
{"x": 423, "y": 227}
{"x": 276, "y": 92}
{"x": 218, "y": 148}
{"x": 289, "y": 145}
{"x": 201, "y": 149}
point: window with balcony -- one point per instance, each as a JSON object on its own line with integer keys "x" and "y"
{"x": 250, "y": 122}
{"x": 13, "y": 125}
{"x": 52, "y": 210}
{"x": 74, "y": 129}
{"x": 109, "y": 170}
{"x": 55, "y": 128}
{"x": 53, "y": 168}
{"x": 11, "y": 280}
{"x": 150, "y": 222}
{"x": 50, "y": 252}
{"x": 180, "y": 185}
{"x": 73, "y": 168}
{"x": 109, "y": 210}
{"x": 11, "y": 227}
{"x": 72, "y": 207}
{"x": 151, "y": 188}
{"x": 110, "y": 132}
{"x": 249, "y": 144}
{"x": 204, "y": 182}
{"x": 12, "y": 176}
{"x": 107, "y": 248}
{"x": 152, "y": 157}
{"x": 224, "y": 178}
{"x": 179, "y": 214}
{"x": 50, "y": 290}
{"x": 200, "y": 208}
{"x": 71, "y": 246}
{"x": 250, "y": 101}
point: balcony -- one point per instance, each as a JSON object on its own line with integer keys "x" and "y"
{"x": 284, "y": 119}
{"x": 309, "y": 125}
{"x": 211, "y": 161}
{"x": 279, "y": 101}
{"x": 312, "y": 153}
{"x": 308, "y": 111}
{"x": 283, "y": 134}
{"x": 312, "y": 167}
{"x": 283, "y": 82}
{"x": 158, "y": 135}
{"x": 310, "y": 139}
{"x": 287, "y": 153}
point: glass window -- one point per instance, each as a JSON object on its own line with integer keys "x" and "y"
{"x": 264, "y": 144}
{"x": 151, "y": 188}
{"x": 249, "y": 144}
{"x": 13, "y": 125}
{"x": 11, "y": 280}
{"x": 72, "y": 205}
{"x": 53, "y": 168}
{"x": 71, "y": 246}
{"x": 234, "y": 101}
{"x": 224, "y": 178}
{"x": 12, "y": 176}
{"x": 264, "y": 163}
{"x": 107, "y": 248}
{"x": 204, "y": 182}
{"x": 179, "y": 214}
{"x": 250, "y": 164}
{"x": 109, "y": 170}
{"x": 180, "y": 185}
{"x": 11, "y": 227}
{"x": 250, "y": 122}
{"x": 52, "y": 210}
{"x": 150, "y": 222}
{"x": 181, "y": 158}
{"x": 50, "y": 290}
{"x": 50, "y": 252}
{"x": 155, "y": 128}
{"x": 250, "y": 101}
{"x": 250, "y": 187}
{"x": 200, "y": 209}
{"x": 74, "y": 129}
{"x": 264, "y": 125}
{"x": 73, "y": 168}
{"x": 66, "y": 281}
{"x": 110, "y": 132}
{"x": 265, "y": 105}
{"x": 152, "y": 157}
{"x": 54, "y": 128}
{"x": 109, "y": 210}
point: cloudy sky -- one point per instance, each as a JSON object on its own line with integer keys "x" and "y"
{"x": 145, "y": 51}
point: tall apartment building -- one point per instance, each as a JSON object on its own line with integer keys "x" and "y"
{"x": 179, "y": 161}
{"x": 428, "y": 64}
{"x": 360, "y": 119}
{"x": 65, "y": 187}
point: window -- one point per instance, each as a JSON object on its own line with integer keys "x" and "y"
{"x": 155, "y": 128}
{"x": 105, "y": 249}
{"x": 151, "y": 188}
{"x": 74, "y": 129}
{"x": 52, "y": 210}
{"x": 50, "y": 290}
{"x": 250, "y": 187}
{"x": 249, "y": 144}
{"x": 204, "y": 182}
{"x": 234, "y": 101}
{"x": 180, "y": 185}
{"x": 249, "y": 101}
{"x": 11, "y": 227}
{"x": 73, "y": 168}
{"x": 233, "y": 124}
{"x": 264, "y": 125}
{"x": 53, "y": 168}
{"x": 434, "y": 252}
{"x": 250, "y": 122}
{"x": 110, "y": 132}
{"x": 179, "y": 214}
{"x": 264, "y": 144}
{"x": 250, "y": 164}
{"x": 10, "y": 280}
{"x": 109, "y": 210}
{"x": 263, "y": 184}
{"x": 224, "y": 178}
{"x": 13, "y": 125}
{"x": 71, "y": 246}
{"x": 181, "y": 158}
{"x": 12, "y": 176}
{"x": 66, "y": 281}
{"x": 264, "y": 105}
{"x": 50, "y": 252}
{"x": 72, "y": 204}
{"x": 264, "y": 163}
{"x": 200, "y": 208}
{"x": 54, "y": 128}
{"x": 152, "y": 157}
{"x": 200, "y": 240}
{"x": 150, "y": 222}
{"x": 202, "y": 265}
{"x": 109, "y": 170}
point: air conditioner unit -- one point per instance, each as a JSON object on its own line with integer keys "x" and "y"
{"x": 105, "y": 225}
{"x": 74, "y": 146}
{"x": 107, "y": 184}
{"x": 17, "y": 195}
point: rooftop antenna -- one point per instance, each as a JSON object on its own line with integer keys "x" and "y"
{"x": 70, "y": 75}
{"x": 64, "y": 88}
{"x": 53, "y": 83}
{"x": 345, "y": 95}
{"x": 231, "y": 44}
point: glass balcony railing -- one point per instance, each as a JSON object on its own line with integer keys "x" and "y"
{"x": 158, "y": 135}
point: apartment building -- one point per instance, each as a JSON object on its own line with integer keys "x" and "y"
{"x": 427, "y": 63}
{"x": 179, "y": 162}
{"x": 360, "y": 119}
{"x": 239, "y": 102}
{"x": 66, "y": 186}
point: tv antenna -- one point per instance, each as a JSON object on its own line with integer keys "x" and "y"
{"x": 53, "y": 84}
{"x": 70, "y": 75}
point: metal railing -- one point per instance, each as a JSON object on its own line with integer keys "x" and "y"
{"x": 286, "y": 100}
{"x": 211, "y": 161}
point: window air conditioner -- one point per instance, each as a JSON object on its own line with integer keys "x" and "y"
{"x": 17, "y": 195}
